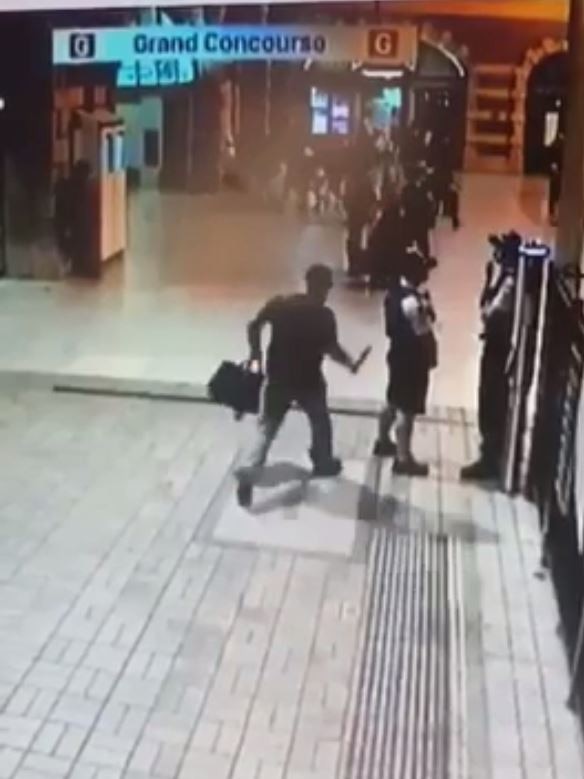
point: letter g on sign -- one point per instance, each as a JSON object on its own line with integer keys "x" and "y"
{"x": 383, "y": 44}
{"x": 82, "y": 46}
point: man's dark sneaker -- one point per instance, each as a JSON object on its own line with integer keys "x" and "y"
{"x": 385, "y": 448}
{"x": 410, "y": 468}
{"x": 327, "y": 470}
{"x": 244, "y": 494}
{"x": 481, "y": 470}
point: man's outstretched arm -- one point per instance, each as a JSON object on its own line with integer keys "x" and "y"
{"x": 340, "y": 356}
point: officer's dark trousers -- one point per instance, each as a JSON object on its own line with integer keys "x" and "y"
{"x": 493, "y": 400}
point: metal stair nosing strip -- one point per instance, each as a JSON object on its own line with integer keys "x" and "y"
{"x": 458, "y": 668}
{"x": 367, "y": 673}
{"x": 409, "y": 706}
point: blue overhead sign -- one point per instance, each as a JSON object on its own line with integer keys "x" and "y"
{"x": 389, "y": 45}
{"x": 109, "y": 5}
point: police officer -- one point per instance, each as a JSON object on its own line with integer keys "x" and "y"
{"x": 497, "y": 309}
{"x": 409, "y": 319}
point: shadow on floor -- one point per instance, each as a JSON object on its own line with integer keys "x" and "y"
{"x": 340, "y": 497}
{"x": 291, "y": 485}
{"x": 405, "y": 518}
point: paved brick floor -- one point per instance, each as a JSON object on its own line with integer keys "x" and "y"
{"x": 149, "y": 629}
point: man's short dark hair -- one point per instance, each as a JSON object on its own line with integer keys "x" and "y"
{"x": 319, "y": 276}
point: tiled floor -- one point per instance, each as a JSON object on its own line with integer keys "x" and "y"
{"x": 148, "y": 630}
{"x": 199, "y": 268}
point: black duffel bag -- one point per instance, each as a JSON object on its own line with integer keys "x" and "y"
{"x": 237, "y": 387}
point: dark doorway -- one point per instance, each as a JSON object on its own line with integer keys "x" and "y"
{"x": 544, "y": 111}
{"x": 438, "y": 94}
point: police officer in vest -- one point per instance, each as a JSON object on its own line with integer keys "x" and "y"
{"x": 497, "y": 310}
{"x": 409, "y": 320}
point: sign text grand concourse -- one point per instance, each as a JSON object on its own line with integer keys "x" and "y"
{"x": 387, "y": 45}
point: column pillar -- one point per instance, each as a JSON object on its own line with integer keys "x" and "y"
{"x": 255, "y": 87}
{"x": 206, "y": 135}
{"x": 570, "y": 234}
{"x": 27, "y": 88}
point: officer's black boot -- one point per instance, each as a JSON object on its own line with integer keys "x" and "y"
{"x": 482, "y": 469}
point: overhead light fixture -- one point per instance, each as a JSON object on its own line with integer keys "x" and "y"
{"x": 385, "y": 74}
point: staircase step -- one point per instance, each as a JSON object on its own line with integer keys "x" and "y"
{"x": 487, "y": 115}
{"x": 490, "y": 139}
{"x": 493, "y": 70}
{"x": 496, "y": 93}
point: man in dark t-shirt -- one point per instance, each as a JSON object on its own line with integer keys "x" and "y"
{"x": 304, "y": 331}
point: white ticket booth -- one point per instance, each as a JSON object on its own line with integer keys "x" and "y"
{"x": 98, "y": 139}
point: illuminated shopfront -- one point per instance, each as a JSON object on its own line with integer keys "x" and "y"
{"x": 330, "y": 113}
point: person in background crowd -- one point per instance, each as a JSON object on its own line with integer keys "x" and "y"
{"x": 232, "y": 178}
{"x": 304, "y": 331}
{"x": 360, "y": 203}
{"x": 301, "y": 174}
{"x": 337, "y": 167}
{"x": 365, "y": 151}
{"x": 430, "y": 147}
{"x": 386, "y": 247}
{"x": 411, "y": 149}
{"x": 409, "y": 320}
{"x": 441, "y": 178}
{"x": 452, "y": 201}
{"x": 77, "y": 222}
{"x": 62, "y": 217}
{"x": 320, "y": 193}
{"x": 419, "y": 210}
{"x": 278, "y": 185}
{"x": 445, "y": 194}
{"x": 394, "y": 128}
